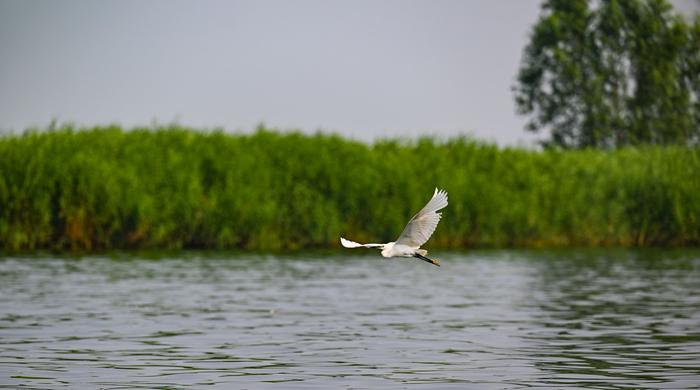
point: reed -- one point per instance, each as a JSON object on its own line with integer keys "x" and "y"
{"x": 173, "y": 187}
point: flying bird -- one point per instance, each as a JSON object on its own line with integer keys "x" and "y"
{"x": 416, "y": 233}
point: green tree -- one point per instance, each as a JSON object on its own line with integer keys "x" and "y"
{"x": 610, "y": 73}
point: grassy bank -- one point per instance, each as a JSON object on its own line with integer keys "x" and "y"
{"x": 107, "y": 188}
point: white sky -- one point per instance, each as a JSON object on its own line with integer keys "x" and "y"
{"x": 364, "y": 69}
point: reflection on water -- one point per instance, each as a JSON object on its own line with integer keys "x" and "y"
{"x": 603, "y": 319}
{"x": 630, "y": 320}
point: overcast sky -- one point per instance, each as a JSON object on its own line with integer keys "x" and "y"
{"x": 364, "y": 69}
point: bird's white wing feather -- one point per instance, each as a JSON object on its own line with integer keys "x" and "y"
{"x": 422, "y": 225}
{"x": 353, "y": 244}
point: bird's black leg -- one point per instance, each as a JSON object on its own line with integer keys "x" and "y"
{"x": 431, "y": 261}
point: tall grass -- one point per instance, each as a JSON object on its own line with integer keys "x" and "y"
{"x": 172, "y": 187}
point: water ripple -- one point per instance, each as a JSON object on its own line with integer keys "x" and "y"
{"x": 587, "y": 319}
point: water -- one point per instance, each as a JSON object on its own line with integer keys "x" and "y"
{"x": 584, "y": 319}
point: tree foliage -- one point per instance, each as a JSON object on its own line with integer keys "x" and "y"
{"x": 610, "y": 73}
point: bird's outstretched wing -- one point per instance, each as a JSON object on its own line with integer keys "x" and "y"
{"x": 422, "y": 225}
{"x": 353, "y": 244}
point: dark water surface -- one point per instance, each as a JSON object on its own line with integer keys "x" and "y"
{"x": 503, "y": 319}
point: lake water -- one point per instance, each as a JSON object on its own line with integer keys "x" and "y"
{"x": 488, "y": 319}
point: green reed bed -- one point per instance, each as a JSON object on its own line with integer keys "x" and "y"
{"x": 172, "y": 187}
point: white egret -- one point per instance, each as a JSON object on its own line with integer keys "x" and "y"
{"x": 416, "y": 233}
